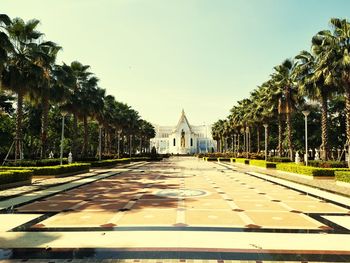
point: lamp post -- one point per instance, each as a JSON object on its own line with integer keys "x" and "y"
{"x": 100, "y": 143}
{"x": 306, "y": 113}
{"x": 62, "y": 137}
{"x": 265, "y": 126}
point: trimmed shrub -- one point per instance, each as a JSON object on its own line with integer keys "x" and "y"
{"x": 262, "y": 163}
{"x": 52, "y": 170}
{"x": 328, "y": 164}
{"x": 343, "y": 176}
{"x": 224, "y": 159}
{"x": 42, "y": 162}
{"x": 277, "y": 159}
{"x": 242, "y": 160}
{"x": 111, "y": 162}
{"x": 212, "y": 159}
{"x": 306, "y": 170}
{"x": 12, "y": 176}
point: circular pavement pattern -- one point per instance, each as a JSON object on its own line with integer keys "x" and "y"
{"x": 175, "y": 193}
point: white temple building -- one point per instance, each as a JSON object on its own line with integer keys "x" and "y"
{"x": 183, "y": 138}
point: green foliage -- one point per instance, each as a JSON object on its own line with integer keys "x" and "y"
{"x": 12, "y": 176}
{"x": 277, "y": 159}
{"x": 52, "y": 170}
{"x": 343, "y": 176}
{"x": 306, "y": 170}
{"x": 112, "y": 162}
{"x": 328, "y": 164}
{"x": 38, "y": 163}
{"x": 224, "y": 159}
{"x": 262, "y": 163}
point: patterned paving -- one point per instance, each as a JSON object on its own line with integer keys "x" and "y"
{"x": 142, "y": 197}
{"x": 179, "y": 195}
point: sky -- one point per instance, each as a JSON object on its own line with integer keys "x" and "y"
{"x": 162, "y": 56}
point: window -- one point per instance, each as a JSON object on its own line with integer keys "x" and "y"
{"x": 191, "y": 142}
{"x": 174, "y": 142}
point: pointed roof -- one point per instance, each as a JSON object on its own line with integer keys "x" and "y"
{"x": 182, "y": 119}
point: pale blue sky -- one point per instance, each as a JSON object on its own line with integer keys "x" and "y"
{"x": 160, "y": 56}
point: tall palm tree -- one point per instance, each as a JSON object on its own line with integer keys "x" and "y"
{"x": 5, "y": 43}
{"x": 21, "y": 73}
{"x": 283, "y": 78}
{"x": 312, "y": 76}
{"x": 332, "y": 48}
{"x": 45, "y": 57}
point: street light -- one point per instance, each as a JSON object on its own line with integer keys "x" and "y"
{"x": 62, "y": 137}
{"x": 306, "y": 113}
{"x": 265, "y": 126}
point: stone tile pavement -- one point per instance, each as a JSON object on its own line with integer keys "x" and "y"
{"x": 324, "y": 184}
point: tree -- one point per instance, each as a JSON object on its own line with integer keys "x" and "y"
{"x": 21, "y": 73}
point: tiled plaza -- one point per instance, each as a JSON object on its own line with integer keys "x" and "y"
{"x": 181, "y": 205}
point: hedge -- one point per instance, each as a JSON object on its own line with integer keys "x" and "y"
{"x": 33, "y": 163}
{"x": 262, "y": 163}
{"x": 276, "y": 159}
{"x": 12, "y": 176}
{"x": 52, "y": 170}
{"x": 327, "y": 164}
{"x": 110, "y": 162}
{"x": 343, "y": 176}
{"x": 224, "y": 159}
{"x": 308, "y": 170}
{"x": 242, "y": 160}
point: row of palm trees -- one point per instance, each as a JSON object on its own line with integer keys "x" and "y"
{"x": 309, "y": 80}
{"x": 28, "y": 70}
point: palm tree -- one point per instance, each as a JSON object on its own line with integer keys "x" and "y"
{"x": 5, "y": 43}
{"x": 332, "y": 48}
{"x": 283, "y": 78}
{"x": 314, "y": 82}
{"x": 21, "y": 73}
{"x": 45, "y": 56}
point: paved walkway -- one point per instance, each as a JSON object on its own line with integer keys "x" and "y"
{"x": 325, "y": 184}
{"x": 181, "y": 208}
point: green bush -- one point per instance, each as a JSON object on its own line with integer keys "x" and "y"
{"x": 306, "y": 170}
{"x": 343, "y": 176}
{"x": 110, "y": 162}
{"x": 212, "y": 159}
{"x": 277, "y": 159}
{"x": 52, "y": 170}
{"x": 262, "y": 163}
{"x": 242, "y": 160}
{"x": 224, "y": 159}
{"x": 42, "y": 162}
{"x": 12, "y": 176}
{"x": 327, "y": 164}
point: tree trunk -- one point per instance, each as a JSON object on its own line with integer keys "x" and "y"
{"x": 289, "y": 122}
{"x": 18, "y": 139}
{"x": 324, "y": 121}
{"x": 75, "y": 136}
{"x": 86, "y": 133}
{"x": 258, "y": 138}
{"x": 44, "y": 125}
{"x": 280, "y": 132}
{"x": 347, "y": 106}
